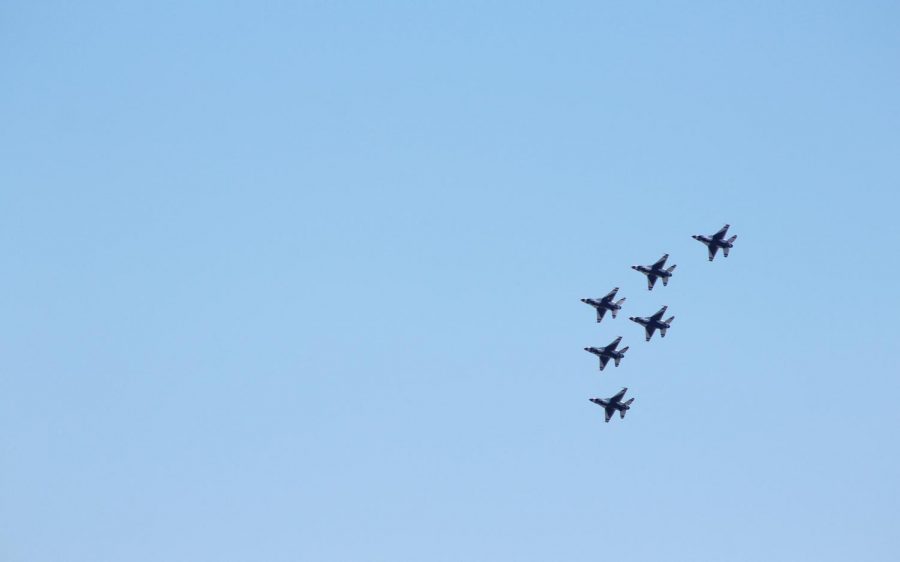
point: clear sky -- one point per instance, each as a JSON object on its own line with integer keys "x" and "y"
{"x": 299, "y": 281}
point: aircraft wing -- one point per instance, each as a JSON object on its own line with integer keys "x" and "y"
{"x": 603, "y": 361}
{"x": 649, "y": 329}
{"x": 661, "y": 262}
{"x": 614, "y": 344}
{"x": 712, "y": 251}
{"x": 609, "y": 412}
{"x": 651, "y": 280}
{"x": 600, "y": 312}
{"x": 619, "y": 395}
{"x": 659, "y": 313}
{"x": 721, "y": 234}
{"x": 610, "y": 295}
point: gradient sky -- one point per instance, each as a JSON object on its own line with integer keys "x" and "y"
{"x": 299, "y": 281}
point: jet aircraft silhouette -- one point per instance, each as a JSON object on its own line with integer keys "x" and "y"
{"x": 654, "y": 322}
{"x": 716, "y": 241}
{"x": 656, "y": 271}
{"x": 614, "y": 403}
{"x": 608, "y": 352}
{"x": 606, "y": 303}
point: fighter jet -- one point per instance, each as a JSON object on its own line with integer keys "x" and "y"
{"x": 653, "y": 323}
{"x": 655, "y": 271}
{"x": 608, "y": 352}
{"x": 605, "y": 303}
{"x": 614, "y": 403}
{"x": 716, "y": 241}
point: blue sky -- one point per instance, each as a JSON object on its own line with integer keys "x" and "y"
{"x": 300, "y": 281}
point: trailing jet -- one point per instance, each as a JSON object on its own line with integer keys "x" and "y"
{"x": 606, "y": 303}
{"x": 716, "y": 241}
{"x": 608, "y": 352}
{"x": 655, "y": 271}
{"x": 653, "y": 323}
{"x": 611, "y": 405}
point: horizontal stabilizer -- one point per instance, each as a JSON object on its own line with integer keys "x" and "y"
{"x": 732, "y": 239}
{"x": 629, "y": 401}
{"x": 726, "y": 248}
{"x": 669, "y": 320}
{"x": 671, "y": 269}
{"x": 623, "y": 350}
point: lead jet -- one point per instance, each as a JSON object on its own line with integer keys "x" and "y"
{"x": 655, "y": 271}
{"x": 606, "y": 303}
{"x": 608, "y": 352}
{"x": 653, "y": 323}
{"x": 613, "y": 404}
{"x": 716, "y": 241}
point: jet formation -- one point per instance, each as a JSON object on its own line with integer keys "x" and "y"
{"x": 652, "y": 323}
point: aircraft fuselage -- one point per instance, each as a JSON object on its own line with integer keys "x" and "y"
{"x": 659, "y": 272}
{"x": 608, "y": 305}
{"x": 650, "y": 323}
{"x": 603, "y": 352}
{"x": 721, "y": 242}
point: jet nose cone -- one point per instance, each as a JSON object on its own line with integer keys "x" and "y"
{"x": 583, "y": 300}
{"x": 587, "y": 349}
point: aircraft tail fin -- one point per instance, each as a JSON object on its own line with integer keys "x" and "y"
{"x": 662, "y": 331}
{"x": 627, "y": 404}
{"x": 726, "y": 248}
